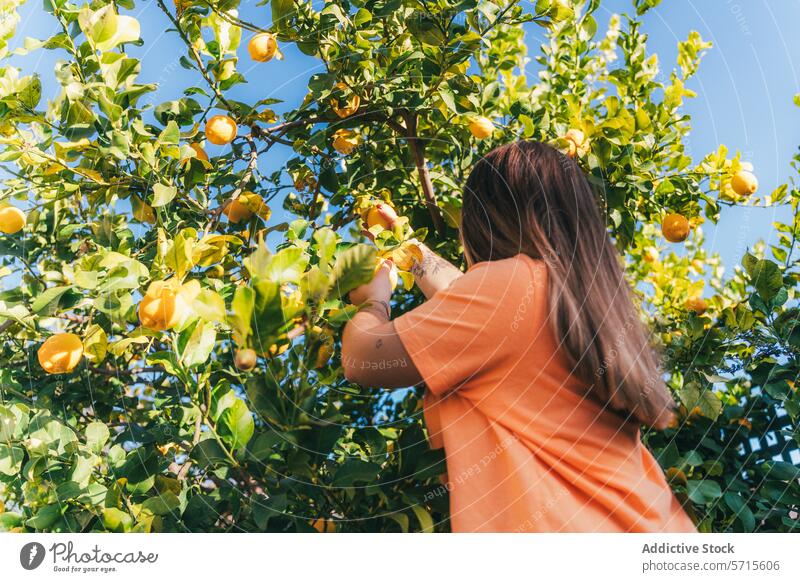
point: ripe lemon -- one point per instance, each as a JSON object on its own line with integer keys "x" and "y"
{"x": 381, "y": 214}
{"x": 163, "y": 306}
{"x": 345, "y": 141}
{"x": 481, "y": 127}
{"x": 245, "y": 206}
{"x": 353, "y": 102}
{"x": 236, "y": 211}
{"x": 262, "y": 47}
{"x": 575, "y": 141}
{"x": 60, "y": 353}
{"x": 696, "y": 304}
{"x": 744, "y": 183}
{"x": 12, "y": 219}
{"x": 675, "y": 227}
{"x": 245, "y": 359}
{"x": 221, "y": 130}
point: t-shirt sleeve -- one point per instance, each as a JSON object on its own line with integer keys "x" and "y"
{"x": 468, "y": 327}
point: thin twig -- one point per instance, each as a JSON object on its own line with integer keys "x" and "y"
{"x": 418, "y": 149}
{"x": 198, "y": 59}
{"x": 198, "y": 424}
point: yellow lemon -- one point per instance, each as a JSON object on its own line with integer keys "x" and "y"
{"x": 481, "y": 127}
{"x": 696, "y": 304}
{"x": 221, "y": 130}
{"x": 12, "y": 219}
{"x": 163, "y": 306}
{"x": 262, "y": 47}
{"x": 575, "y": 141}
{"x": 60, "y": 353}
{"x": 381, "y": 214}
{"x": 675, "y": 227}
{"x": 744, "y": 183}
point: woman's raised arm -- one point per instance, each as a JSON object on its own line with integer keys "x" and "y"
{"x": 433, "y": 273}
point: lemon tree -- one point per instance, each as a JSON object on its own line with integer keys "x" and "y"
{"x": 170, "y": 356}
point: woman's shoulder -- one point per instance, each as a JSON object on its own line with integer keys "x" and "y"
{"x": 505, "y": 278}
{"x": 517, "y": 268}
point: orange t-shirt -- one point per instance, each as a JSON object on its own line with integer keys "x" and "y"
{"x": 525, "y": 450}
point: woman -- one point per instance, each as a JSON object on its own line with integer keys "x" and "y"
{"x": 538, "y": 370}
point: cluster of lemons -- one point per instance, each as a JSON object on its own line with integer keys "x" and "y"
{"x": 675, "y": 227}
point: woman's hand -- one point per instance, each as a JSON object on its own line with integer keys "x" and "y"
{"x": 379, "y": 290}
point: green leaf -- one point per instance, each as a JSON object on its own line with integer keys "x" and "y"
{"x": 244, "y": 300}
{"x": 692, "y": 395}
{"x": 48, "y": 300}
{"x": 282, "y": 10}
{"x": 208, "y": 453}
{"x": 45, "y": 517}
{"x": 116, "y": 520}
{"x": 163, "y": 194}
{"x": 314, "y": 284}
{"x": 97, "y": 435}
{"x": 767, "y": 279}
{"x": 171, "y": 134}
{"x": 10, "y": 459}
{"x": 782, "y": 471}
{"x": 703, "y": 491}
{"x": 424, "y": 517}
{"x": 286, "y": 266}
{"x": 354, "y": 266}
{"x": 95, "y": 343}
{"x": 209, "y": 305}
{"x": 199, "y": 344}
{"x": 31, "y": 93}
{"x": 8, "y": 422}
{"x": 740, "y": 509}
{"x": 353, "y": 471}
{"x": 236, "y": 424}
{"x": 162, "y": 504}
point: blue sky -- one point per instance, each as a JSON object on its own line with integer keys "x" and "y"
{"x": 745, "y": 84}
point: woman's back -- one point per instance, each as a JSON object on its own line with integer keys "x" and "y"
{"x": 526, "y": 450}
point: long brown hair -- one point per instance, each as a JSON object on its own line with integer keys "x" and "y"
{"x": 528, "y": 198}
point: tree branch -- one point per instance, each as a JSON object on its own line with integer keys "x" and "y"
{"x": 418, "y": 149}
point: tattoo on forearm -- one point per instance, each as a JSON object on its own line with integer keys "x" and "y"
{"x": 430, "y": 264}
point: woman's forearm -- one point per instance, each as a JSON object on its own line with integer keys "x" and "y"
{"x": 433, "y": 273}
